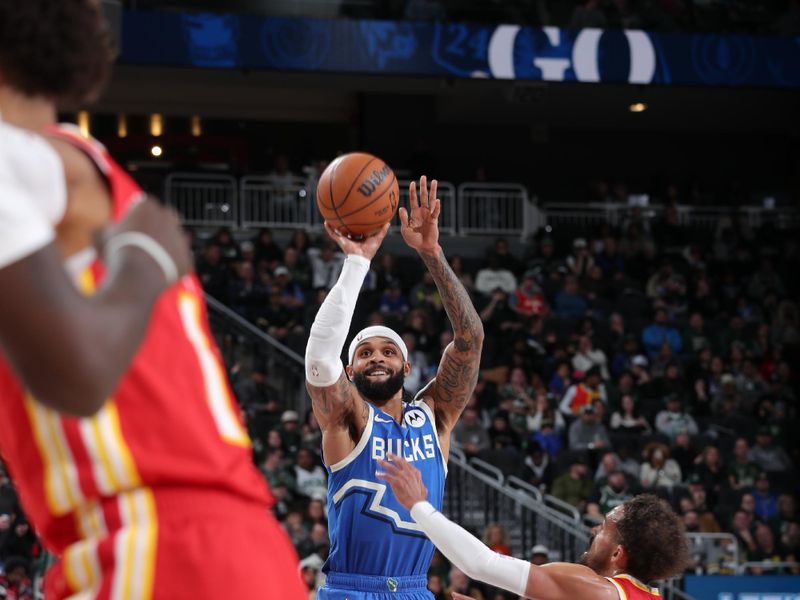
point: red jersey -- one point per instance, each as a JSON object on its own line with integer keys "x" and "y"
{"x": 630, "y": 588}
{"x": 169, "y": 438}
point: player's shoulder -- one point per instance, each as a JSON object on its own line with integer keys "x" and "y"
{"x": 79, "y": 168}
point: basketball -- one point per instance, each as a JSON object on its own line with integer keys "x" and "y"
{"x": 357, "y": 194}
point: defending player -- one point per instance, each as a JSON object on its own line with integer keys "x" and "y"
{"x": 142, "y": 498}
{"x": 638, "y": 542}
{"x": 375, "y": 545}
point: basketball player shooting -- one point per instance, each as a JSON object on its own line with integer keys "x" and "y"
{"x": 376, "y": 547}
{"x": 638, "y": 542}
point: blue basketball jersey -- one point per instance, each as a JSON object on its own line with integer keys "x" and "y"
{"x": 371, "y": 533}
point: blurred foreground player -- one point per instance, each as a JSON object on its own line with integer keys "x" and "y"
{"x": 140, "y": 495}
{"x": 638, "y": 542}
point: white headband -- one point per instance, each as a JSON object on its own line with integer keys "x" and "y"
{"x": 376, "y": 331}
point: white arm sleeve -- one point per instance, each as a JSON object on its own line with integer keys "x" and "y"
{"x": 329, "y": 331}
{"x": 470, "y": 554}
{"x": 32, "y": 193}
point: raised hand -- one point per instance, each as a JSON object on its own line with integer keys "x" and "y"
{"x": 366, "y": 247}
{"x": 419, "y": 225}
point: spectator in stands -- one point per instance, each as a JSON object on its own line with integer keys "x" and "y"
{"x": 614, "y": 493}
{"x": 710, "y": 469}
{"x": 289, "y": 433}
{"x": 528, "y": 299}
{"x": 311, "y": 434}
{"x": 470, "y": 434}
{"x": 561, "y": 379}
{"x": 742, "y": 472}
{"x": 436, "y": 587}
{"x": 657, "y": 333}
{"x": 741, "y": 527}
{"x": 546, "y": 263}
{"x": 213, "y": 272}
{"x": 580, "y": 261}
{"x": 766, "y": 500}
{"x": 674, "y": 420}
{"x": 15, "y": 581}
{"x": 610, "y": 260}
{"x": 494, "y": 276}
{"x": 547, "y": 426}
{"x": 768, "y": 549}
{"x": 658, "y": 470}
{"x": 246, "y": 295}
{"x": 570, "y": 302}
{"x": 765, "y": 280}
{"x": 540, "y": 555}
{"x": 418, "y": 375}
{"x": 227, "y": 245}
{"x": 505, "y": 258}
{"x": 574, "y": 487}
{"x": 683, "y": 452}
{"x": 768, "y": 456}
{"x": 326, "y": 263}
{"x": 394, "y": 304}
{"x": 500, "y": 322}
{"x": 311, "y": 479}
{"x": 627, "y": 420}
{"x": 266, "y": 250}
{"x": 426, "y": 296}
{"x": 298, "y": 266}
{"x": 695, "y": 337}
{"x": 583, "y": 393}
{"x": 289, "y": 292}
{"x": 587, "y": 357}
{"x": 297, "y": 530}
{"x": 459, "y": 583}
{"x": 518, "y": 388}
{"x": 538, "y": 469}
{"x": 457, "y": 264}
{"x": 275, "y": 471}
{"x": 501, "y": 434}
{"x": 588, "y": 433}
{"x": 496, "y": 537}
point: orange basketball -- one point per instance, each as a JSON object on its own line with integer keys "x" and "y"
{"x": 357, "y": 194}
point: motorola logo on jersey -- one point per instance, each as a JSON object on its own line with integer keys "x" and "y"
{"x": 413, "y": 450}
{"x": 415, "y": 418}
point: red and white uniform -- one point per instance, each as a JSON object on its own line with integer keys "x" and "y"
{"x": 630, "y": 588}
{"x": 156, "y": 496}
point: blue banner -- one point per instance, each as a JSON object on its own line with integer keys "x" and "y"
{"x": 742, "y": 587}
{"x": 235, "y": 41}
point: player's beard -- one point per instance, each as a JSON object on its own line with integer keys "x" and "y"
{"x": 592, "y": 560}
{"x": 379, "y": 391}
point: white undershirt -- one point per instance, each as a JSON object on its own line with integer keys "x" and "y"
{"x": 33, "y": 195}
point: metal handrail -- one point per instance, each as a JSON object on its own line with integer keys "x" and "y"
{"x": 246, "y": 346}
{"x": 767, "y": 566}
{"x": 230, "y": 314}
{"x": 486, "y": 468}
{"x": 564, "y": 507}
{"x": 515, "y": 483}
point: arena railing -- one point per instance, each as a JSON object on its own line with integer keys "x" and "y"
{"x": 245, "y": 346}
{"x": 702, "y": 217}
{"x": 267, "y": 202}
{"x": 476, "y": 496}
{"x": 495, "y": 209}
{"x": 791, "y": 567}
{"x": 203, "y": 199}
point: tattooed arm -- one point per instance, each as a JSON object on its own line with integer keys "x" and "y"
{"x": 455, "y": 380}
